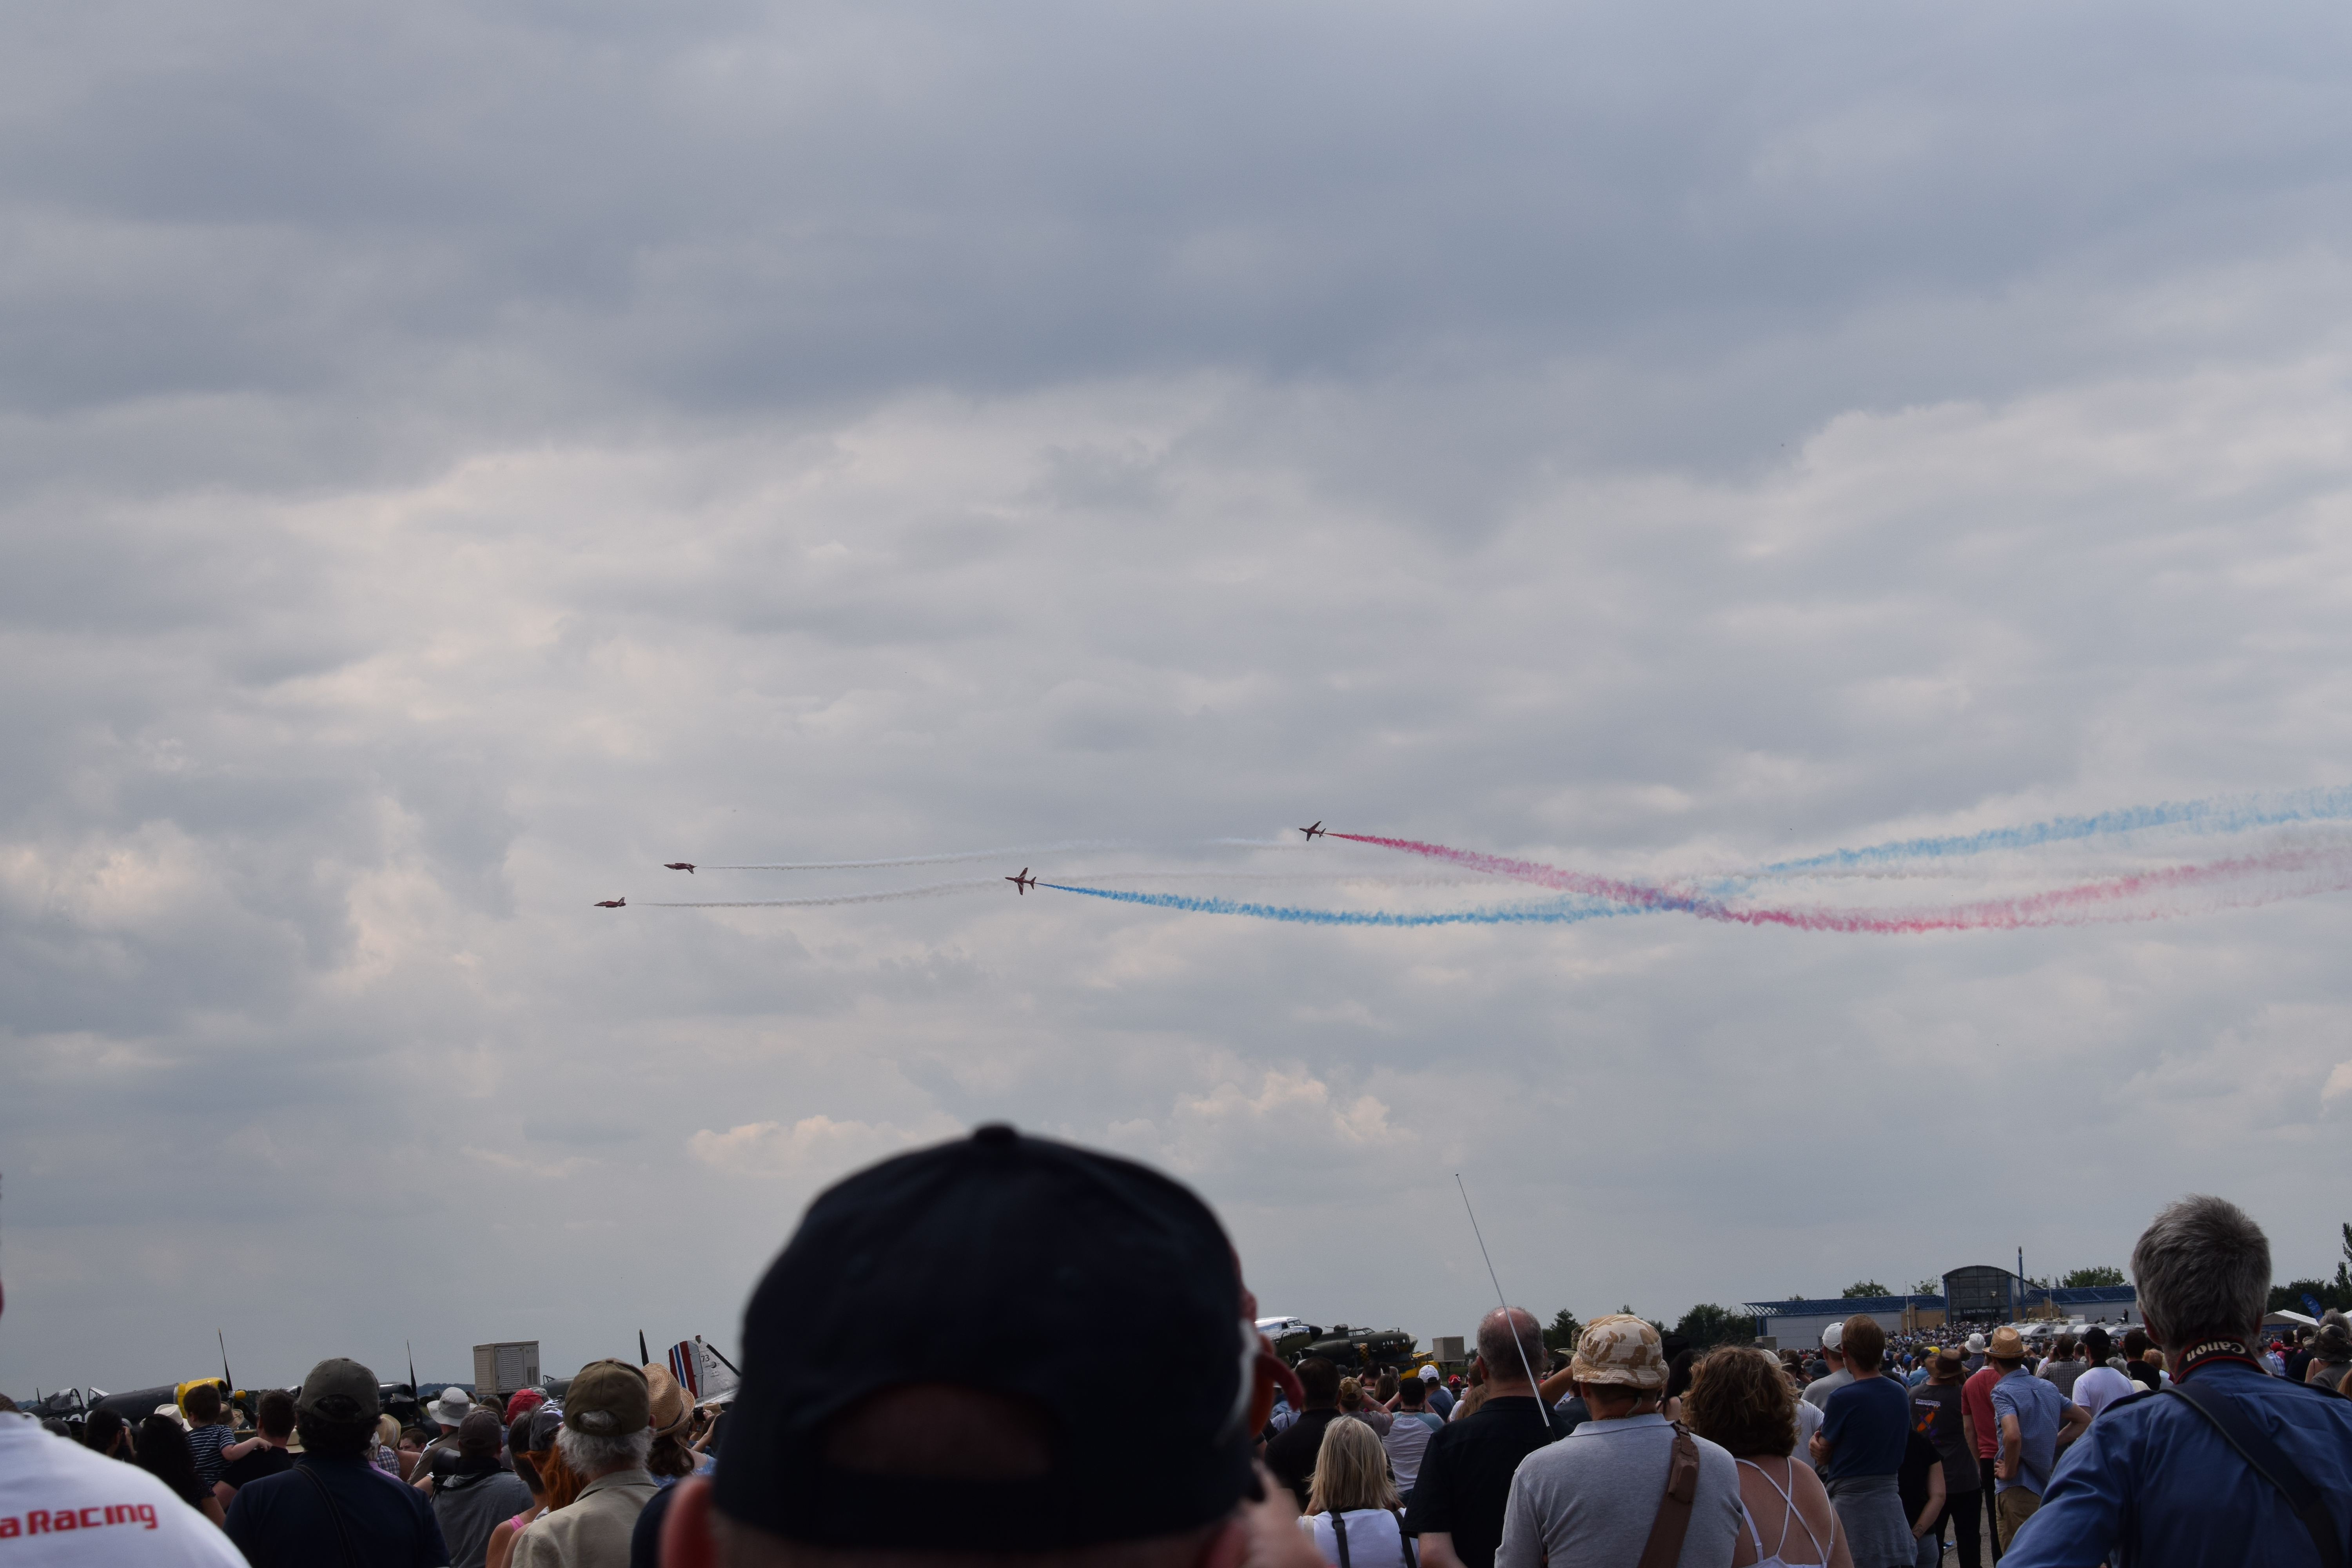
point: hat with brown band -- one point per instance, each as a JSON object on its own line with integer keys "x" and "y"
{"x": 668, "y": 1408}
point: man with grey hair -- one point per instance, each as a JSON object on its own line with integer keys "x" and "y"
{"x": 1464, "y": 1485}
{"x": 2228, "y": 1463}
{"x": 606, "y": 1436}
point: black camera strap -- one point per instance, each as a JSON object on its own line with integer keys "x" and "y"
{"x": 335, "y": 1512}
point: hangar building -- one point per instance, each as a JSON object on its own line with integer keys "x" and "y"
{"x": 1978, "y": 1293}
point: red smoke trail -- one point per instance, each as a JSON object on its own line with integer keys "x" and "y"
{"x": 2301, "y": 873}
{"x": 1536, "y": 872}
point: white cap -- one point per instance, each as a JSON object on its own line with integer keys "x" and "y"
{"x": 1428, "y": 1373}
{"x": 1832, "y": 1336}
{"x": 1976, "y": 1344}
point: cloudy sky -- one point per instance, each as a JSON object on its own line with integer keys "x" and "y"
{"x": 456, "y": 458}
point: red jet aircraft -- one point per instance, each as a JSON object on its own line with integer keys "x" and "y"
{"x": 1314, "y": 832}
{"x": 612, "y": 903}
{"x": 677, "y": 866}
{"x": 1024, "y": 883}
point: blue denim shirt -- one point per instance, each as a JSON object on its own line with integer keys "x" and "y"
{"x": 2037, "y": 1407}
{"x": 2152, "y": 1482}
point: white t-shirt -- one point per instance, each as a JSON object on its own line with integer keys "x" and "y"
{"x": 1406, "y": 1440}
{"x": 2100, "y": 1386}
{"x": 1373, "y": 1540}
{"x": 63, "y": 1503}
{"x": 1810, "y": 1417}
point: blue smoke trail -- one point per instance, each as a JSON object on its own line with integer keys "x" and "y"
{"x": 1563, "y": 911}
{"x": 2223, "y": 814}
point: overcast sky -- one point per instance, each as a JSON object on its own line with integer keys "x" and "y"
{"x": 454, "y": 459}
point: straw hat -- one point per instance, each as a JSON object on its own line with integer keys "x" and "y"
{"x": 671, "y": 1407}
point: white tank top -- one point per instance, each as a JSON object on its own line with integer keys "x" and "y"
{"x": 1790, "y": 1503}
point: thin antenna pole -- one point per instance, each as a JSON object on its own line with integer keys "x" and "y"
{"x": 1504, "y": 1302}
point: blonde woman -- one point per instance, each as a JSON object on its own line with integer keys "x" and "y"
{"x": 1352, "y": 1510}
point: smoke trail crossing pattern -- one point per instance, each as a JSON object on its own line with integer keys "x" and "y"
{"x": 2236, "y": 883}
{"x": 2132, "y": 870}
{"x": 1556, "y": 912}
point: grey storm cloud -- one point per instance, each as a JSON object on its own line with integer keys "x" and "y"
{"x": 453, "y": 460}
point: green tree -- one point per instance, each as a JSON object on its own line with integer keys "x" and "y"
{"x": 2097, "y": 1274}
{"x": 1564, "y": 1333}
{"x": 1708, "y": 1324}
{"x": 2335, "y": 1292}
{"x": 1861, "y": 1288}
{"x": 1929, "y": 1287}
{"x": 2289, "y": 1297}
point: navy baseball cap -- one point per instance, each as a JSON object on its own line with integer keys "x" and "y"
{"x": 1005, "y": 1274}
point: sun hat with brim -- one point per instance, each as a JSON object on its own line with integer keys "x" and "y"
{"x": 668, "y": 1406}
{"x": 2006, "y": 1344}
{"x": 1621, "y": 1349}
{"x": 451, "y": 1407}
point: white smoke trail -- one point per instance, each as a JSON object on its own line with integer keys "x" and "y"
{"x": 929, "y": 890}
{"x": 949, "y": 859}
{"x": 954, "y": 857}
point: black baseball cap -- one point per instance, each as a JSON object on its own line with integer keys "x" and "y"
{"x": 1019, "y": 1270}
{"x": 339, "y": 1389}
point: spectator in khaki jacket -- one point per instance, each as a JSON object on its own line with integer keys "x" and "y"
{"x": 606, "y": 1436}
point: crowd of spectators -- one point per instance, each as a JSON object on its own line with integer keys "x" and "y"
{"x": 992, "y": 1443}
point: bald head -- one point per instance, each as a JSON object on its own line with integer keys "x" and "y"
{"x": 1511, "y": 1342}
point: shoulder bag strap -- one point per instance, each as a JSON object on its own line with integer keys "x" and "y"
{"x": 1339, "y": 1534}
{"x": 334, "y": 1511}
{"x": 1404, "y": 1541}
{"x": 2254, "y": 1446}
{"x": 1665, "y": 1547}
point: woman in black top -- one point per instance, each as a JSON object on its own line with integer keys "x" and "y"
{"x": 163, "y": 1453}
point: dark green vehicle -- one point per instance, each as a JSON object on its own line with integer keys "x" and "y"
{"x": 1355, "y": 1351}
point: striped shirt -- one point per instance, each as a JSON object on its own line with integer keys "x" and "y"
{"x": 207, "y": 1443}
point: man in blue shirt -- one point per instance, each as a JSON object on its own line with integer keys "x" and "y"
{"x": 2034, "y": 1421}
{"x": 1859, "y": 1449}
{"x": 2154, "y": 1483}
